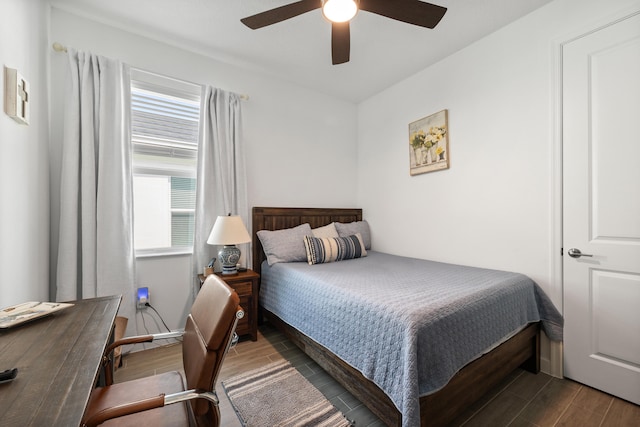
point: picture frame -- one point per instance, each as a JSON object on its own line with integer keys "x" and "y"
{"x": 429, "y": 143}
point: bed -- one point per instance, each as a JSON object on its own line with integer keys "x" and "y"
{"x": 443, "y": 401}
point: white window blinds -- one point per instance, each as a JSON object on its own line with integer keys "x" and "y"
{"x": 163, "y": 120}
{"x": 165, "y": 115}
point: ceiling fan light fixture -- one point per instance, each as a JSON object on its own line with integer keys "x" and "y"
{"x": 339, "y": 10}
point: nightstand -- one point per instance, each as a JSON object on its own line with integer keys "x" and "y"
{"x": 246, "y": 286}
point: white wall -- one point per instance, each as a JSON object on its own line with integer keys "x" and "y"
{"x": 24, "y": 163}
{"x": 300, "y": 145}
{"x": 493, "y": 208}
{"x": 496, "y": 205}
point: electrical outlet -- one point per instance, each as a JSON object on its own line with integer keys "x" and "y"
{"x": 143, "y": 297}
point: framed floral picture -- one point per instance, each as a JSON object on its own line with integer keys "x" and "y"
{"x": 429, "y": 143}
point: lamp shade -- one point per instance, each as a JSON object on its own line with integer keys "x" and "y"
{"x": 228, "y": 230}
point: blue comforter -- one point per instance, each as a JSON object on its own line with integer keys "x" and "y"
{"x": 407, "y": 324}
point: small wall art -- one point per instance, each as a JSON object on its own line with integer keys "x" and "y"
{"x": 429, "y": 143}
{"x": 16, "y": 96}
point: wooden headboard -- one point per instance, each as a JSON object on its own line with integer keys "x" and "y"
{"x": 280, "y": 218}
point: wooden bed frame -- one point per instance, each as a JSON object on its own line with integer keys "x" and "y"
{"x": 440, "y": 408}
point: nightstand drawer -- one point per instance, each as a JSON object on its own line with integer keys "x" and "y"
{"x": 242, "y": 288}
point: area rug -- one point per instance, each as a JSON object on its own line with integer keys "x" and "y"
{"x": 278, "y": 395}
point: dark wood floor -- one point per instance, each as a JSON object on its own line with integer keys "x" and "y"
{"x": 523, "y": 399}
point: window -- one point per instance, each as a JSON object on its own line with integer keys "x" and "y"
{"x": 165, "y": 116}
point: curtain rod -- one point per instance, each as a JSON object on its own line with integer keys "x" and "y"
{"x": 61, "y": 48}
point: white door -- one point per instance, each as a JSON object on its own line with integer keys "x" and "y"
{"x": 601, "y": 208}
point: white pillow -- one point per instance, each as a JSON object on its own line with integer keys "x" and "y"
{"x": 328, "y": 230}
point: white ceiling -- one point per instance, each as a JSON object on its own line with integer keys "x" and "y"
{"x": 383, "y": 51}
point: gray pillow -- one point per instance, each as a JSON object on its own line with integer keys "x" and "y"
{"x": 285, "y": 245}
{"x": 349, "y": 229}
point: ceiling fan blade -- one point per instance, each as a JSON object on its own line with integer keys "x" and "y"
{"x": 281, "y": 13}
{"x": 413, "y": 12}
{"x": 340, "y": 42}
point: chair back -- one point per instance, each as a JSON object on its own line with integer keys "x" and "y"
{"x": 207, "y": 337}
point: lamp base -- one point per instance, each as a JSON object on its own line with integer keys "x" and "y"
{"x": 229, "y": 256}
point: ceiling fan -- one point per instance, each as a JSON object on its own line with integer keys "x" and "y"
{"x": 340, "y": 12}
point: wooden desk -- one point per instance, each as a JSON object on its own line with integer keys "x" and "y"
{"x": 57, "y": 359}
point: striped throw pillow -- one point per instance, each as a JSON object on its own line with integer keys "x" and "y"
{"x": 330, "y": 249}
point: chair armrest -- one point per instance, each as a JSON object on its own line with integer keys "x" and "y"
{"x": 142, "y": 338}
{"x": 107, "y": 363}
{"x": 146, "y": 404}
{"x": 183, "y": 396}
{"x": 126, "y": 409}
{"x": 128, "y": 340}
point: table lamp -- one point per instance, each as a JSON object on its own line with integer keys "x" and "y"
{"x": 228, "y": 231}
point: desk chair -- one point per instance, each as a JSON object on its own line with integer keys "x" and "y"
{"x": 165, "y": 399}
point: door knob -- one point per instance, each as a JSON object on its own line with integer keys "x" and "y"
{"x": 576, "y": 253}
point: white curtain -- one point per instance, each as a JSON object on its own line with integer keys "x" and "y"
{"x": 221, "y": 177}
{"x": 95, "y": 250}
